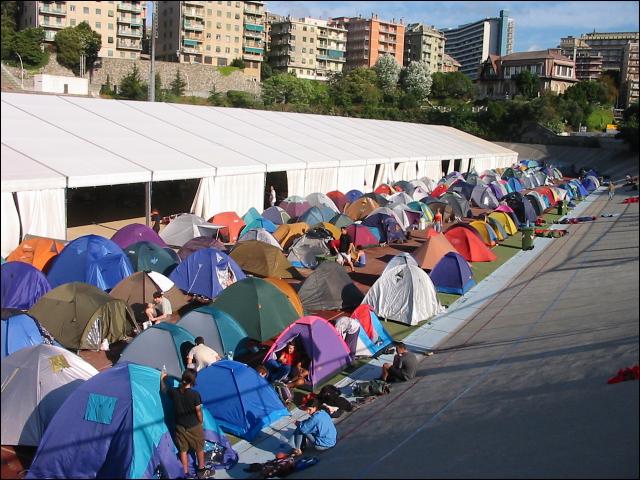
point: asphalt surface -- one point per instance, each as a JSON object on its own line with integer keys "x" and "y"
{"x": 521, "y": 390}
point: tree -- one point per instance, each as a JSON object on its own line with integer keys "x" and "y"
{"x": 237, "y": 62}
{"x": 388, "y": 72}
{"x": 215, "y": 97}
{"x": 72, "y": 42}
{"x": 356, "y": 87}
{"x": 629, "y": 128}
{"x": 417, "y": 80}
{"x": 265, "y": 71}
{"x": 240, "y": 99}
{"x": 9, "y": 15}
{"x": 281, "y": 89}
{"x": 528, "y": 84}
{"x": 28, "y": 44}
{"x": 159, "y": 92}
{"x": 588, "y": 92}
{"x": 132, "y": 87}
{"x": 451, "y": 85}
{"x": 178, "y": 85}
{"x": 107, "y": 89}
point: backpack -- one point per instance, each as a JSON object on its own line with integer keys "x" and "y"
{"x": 371, "y": 388}
{"x": 331, "y": 395}
{"x": 283, "y": 392}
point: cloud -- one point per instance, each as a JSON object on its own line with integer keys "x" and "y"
{"x": 534, "y": 47}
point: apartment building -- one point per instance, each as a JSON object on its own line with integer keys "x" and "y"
{"x": 610, "y": 46}
{"x": 555, "y": 71}
{"x": 270, "y": 19}
{"x": 424, "y": 44}
{"x": 588, "y": 60}
{"x": 450, "y": 64}
{"x": 367, "y": 39}
{"x": 472, "y": 43}
{"x": 119, "y": 23}
{"x": 309, "y": 47}
{"x": 629, "y": 78}
{"x": 212, "y": 33}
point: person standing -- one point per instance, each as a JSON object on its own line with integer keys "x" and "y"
{"x": 164, "y": 306}
{"x": 437, "y": 221}
{"x": 187, "y": 407}
{"x": 156, "y": 219}
{"x": 612, "y": 189}
{"x": 317, "y": 432}
{"x": 405, "y": 365}
{"x": 272, "y": 196}
{"x": 201, "y": 355}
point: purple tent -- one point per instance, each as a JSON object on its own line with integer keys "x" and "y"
{"x": 199, "y": 243}
{"x": 134, "y": 233}
{"x": 322, "y": 344}
{"x": 452, "y": 274}
{"x": 22, "y": 285}
{"x": 295, "y": 206}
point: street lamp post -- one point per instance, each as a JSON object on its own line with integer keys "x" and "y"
{"x": 21, "y": 71}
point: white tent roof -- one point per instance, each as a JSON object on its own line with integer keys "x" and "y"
{"x": 52, "y": 141}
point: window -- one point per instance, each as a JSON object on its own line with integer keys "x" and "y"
{"x": 236, "y": 28}
{"x": 208, "y": 48}
{"x": 228, "y": 4}
{"x": 304, "y": 28}
{"x": 311, "y": 40}
{"x": 98, "y": 11}
{"x": 109, "y": 39}
{"x": 85, "y": 10}
{"x": 72, "y": 22}
{"x": 133, "y": 55}
{"x": 218, "y": 25}
{"x": 227, "y": 38}
{"x": 228, "y": 25}
{"x": 110, "y": 13}
{"x": 110, "y": 53}
{"x": 311, "y": 51}
{"x": 304, "y": 60}
{"x": 304, "y": 50}
{"x": 228, "y": 14}
{"x": 219, "y": 13}
{"x": 237, "y": 16}
{"x": 209, "y": 11}
{"x": 98, "y": 25}
{"x": 304, "y": 39}
{"x": 227, "y": 50}
{"x": 293, "y": 37}
{"x": 236, "y": 50}
{"x": 72, "y": 8}
{"x": 121, "y": 54}
{"x": 208, "y": 35}
{"x": 238, "y": 4}
{"x": 236, "y": 39}
{"x": 208, "y": 24}
{"x": 218, "y": 49}
{"x": 218, "y": 36}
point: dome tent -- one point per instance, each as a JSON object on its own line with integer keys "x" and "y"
{"x": 372, "y": 337}
{"x": 21, "y": 285}
{"x": 134, "y": 233}
{"x": 20, "y": 330}
{"x": 259, "y": 258}
{"x": 452, "y": 274}
{"x": 329, "y": 287}
{"x": 147, "y": 256}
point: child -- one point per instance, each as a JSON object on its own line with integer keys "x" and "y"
{"x": 362, "y": 257}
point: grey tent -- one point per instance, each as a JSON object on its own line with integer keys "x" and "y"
{"x": 186, "y": 227}
{"x": 329, "y": 288}
{"x": 35, "y": 383}
{"x": 483, "y": 197}
{"x": 261, "y": 235}
{"x": 304, "y": 250}
{"x": 458, "y": 203}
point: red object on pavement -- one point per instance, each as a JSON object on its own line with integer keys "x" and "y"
{"x": 630, "y": 200}
{"x": 624, "y": 374}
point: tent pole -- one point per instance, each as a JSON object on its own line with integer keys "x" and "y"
{"x": 147, "y": 203}
{"x": 66, "y": 214}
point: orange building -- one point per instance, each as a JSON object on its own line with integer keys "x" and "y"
{"x": 367, "y": 39}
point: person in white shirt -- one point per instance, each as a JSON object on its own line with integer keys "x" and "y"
{"x": 201, "y": 355}
{"x": 349, "y": 329}
{"x": 272, "y": 196}
{"x": 163, "y": 305}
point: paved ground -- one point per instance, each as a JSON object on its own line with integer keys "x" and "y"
{"x": 521, "y": 391}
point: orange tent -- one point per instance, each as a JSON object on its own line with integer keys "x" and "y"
{"x": 431, "y": 252}
{"x": 37, "y": 251}
{"x": 232, "y": 222}
{"x": 288, "y": 290}
{"x": 335, "y": 231}
{"x": 287, "y": 233}
{"x": 359, "y": 209}
{"x": 469, "y": 244}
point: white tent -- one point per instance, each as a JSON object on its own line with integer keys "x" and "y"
{"x": 261, "y": 235}
{"x": 404, "y": 294}
{"x": 403, "y": 258}
{"x": 35, "y": 382}
{"x": 184, "y": 228}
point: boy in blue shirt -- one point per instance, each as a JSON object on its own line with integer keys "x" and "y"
{"x": 318, "y": 431}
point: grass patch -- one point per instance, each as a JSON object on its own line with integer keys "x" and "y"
{"x": 226, "y": 71}
{"x": 599, "y": 119}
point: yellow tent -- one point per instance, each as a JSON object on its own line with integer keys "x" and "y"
{"x": 335, "y": 231}
{"x": 506, "y": 222}
{"x": 486, "y": 231}
{"x": 359, "y": 209}
{"x": 287, "y": 233}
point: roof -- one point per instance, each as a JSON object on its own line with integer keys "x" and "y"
{"x": 538, "y": 54}
{"x": 449, "y": 60}
{"x": 47, "y": 139}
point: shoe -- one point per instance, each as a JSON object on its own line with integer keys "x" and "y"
{"x": 204, "y": 473}
{"x": 296, "y": 452}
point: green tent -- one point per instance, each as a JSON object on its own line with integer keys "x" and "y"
{"x": 81, "y": 316}
{"x": 260, "y": 258}
{"x": 147, "y": 256}
{"x": 258, "y": 306}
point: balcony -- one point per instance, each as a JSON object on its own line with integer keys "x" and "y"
{"x": 53, "y": 25}
{"x": 254, "y": 27}
{"x": 122, "y": 45}
{"x": 197, "y": 4}
{"x": 191, "y": 42}
{"x": 52, "y": 10}
{"x": 253, "y": 50}
{"x": 129, "y": 7}
{"x": 252, "y": 34}
{"x": 128, "y": 32}
{"x": 196, "y": 27}
{"x": 191, "y": 50}
{"x": 193, "y": 12}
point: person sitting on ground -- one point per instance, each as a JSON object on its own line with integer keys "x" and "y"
{"x": 280, "y": 367}
{"x": 201, "y": 355}
{"x": 362, "y": 257}
{"x": 299, "y": 371}
{"x": 404, "y": 367}
{"x": 163, "y": 304}
{"x": 150, "y": 313}
{"x": 187, "y": 407}
{"x": 344, "y": 247}
{"x": 317, "y": 432}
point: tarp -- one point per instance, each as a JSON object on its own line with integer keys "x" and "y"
{"x": 261, "y": 308}
{"x": 117, "y": 424}
{"x": 303, "y": 251}
{"x": 232, "y": 223}
{"x": 404, "y": 294}
{"x": 80, "y": 316}
{"x": 432, "y": 250}
{"x": 452, "y": 274}
{"x": 341, "y": 221}
{"x": 329, "y": 288}
{"x": 206, "y": 272}
{"x": 134, "y": 233}
{"x": 372, "y": 337}
{"x": 147, "y": 256}
{"x": 185, "y": 227}
{"x": 468, "y": 243}
{"x": 220, "y": 330}
{"x": 21, "y": 285}
{"x": 37, "y": 251}
{"x": 240, "y": 400}
{"x": 19, "y": 330}
{"x": 91, "y": 259}
{"x": 199, "y": 243}
{"x": 321, "y": 342}
{"x": 259, "y": 258}
{"x": 35, "y": 382}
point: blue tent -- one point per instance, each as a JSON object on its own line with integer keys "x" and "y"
{"x": 370, "y": 325}
{"x": 239, "y": 399}
{"x": 206, "y": 272}
{"x": 19, "y": 330}
{"x": 452, "y": 274}
{"x": 387, "y": 225}
{"x": 589, "y": 184}
{"x": 353, "y": 195}
{"x": 268, "y": 225}
{"x": 317, "y": 215}
{"x": 117, "y": 425}
{"x": 581, "y": 190}
{"x": 515, "y": 184}
{"x": 21, "y": 285}
{"x": 251, "y": 215}
{"x": 219, "y": 329}
{"x": 90, "y": 259}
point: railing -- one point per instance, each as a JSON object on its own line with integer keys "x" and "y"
{"x": 193, "y": 26}
{"x": 52, "y": 11}
{"x": 191, "y": 50}
{"x": 129, "y": 45}
{"x": 130, "y": 33}
{"x": 253, "y": 27}
{"x": 53, "y": 25}
{"x": 129, "y": 7}
{"x": 192, "y": 12}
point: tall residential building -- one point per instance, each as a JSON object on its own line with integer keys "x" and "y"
{"x": 425, "y": 44}
{"x": 367, "y": 39}
{"x": 211, "y": 33}
{"x": 472, "y": 43}
{"x": 270, "y": 19}
{"x": 588, "y": 60}
{"x": 629, "y": 77}
{"x": 610, "y": 46}
{"x": 120, "y": 24}
{"x": 450, "y": 64}
{"x": 308, "y": 47}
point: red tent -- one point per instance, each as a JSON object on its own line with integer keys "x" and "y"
{"x": 339, "y": 199}
{"x": 384, "y": 189}
{"x": 439, "y": 190}
{"x": 469, "y": 244}
{"x": 546, "y": 191}
{"x": 232, "y": 222}
{"x": 361, "y": 235}
{"x": 363, "y": 314}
